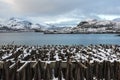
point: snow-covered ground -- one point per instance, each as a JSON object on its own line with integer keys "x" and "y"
{"x": 92, "y": 53}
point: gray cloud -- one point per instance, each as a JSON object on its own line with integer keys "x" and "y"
{"x": 6, "y": 10}
{"x": 45, "y": 7}
{"x": 54, "y": 10}
{"x": 56, "y": 7}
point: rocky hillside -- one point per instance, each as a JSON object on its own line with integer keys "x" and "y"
{"x": 100, "y": 26}
{"x": 92, "y": 26}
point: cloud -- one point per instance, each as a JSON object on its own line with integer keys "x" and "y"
{"x": 60, "y": 11}
{"x": 58, "y": 7}
{"x": 109, "y": 17}
{"x": 45, "y": 7}
{"x": 6, "y": 9}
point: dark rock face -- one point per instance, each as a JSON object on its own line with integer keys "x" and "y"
{"x": 82, "y": 23}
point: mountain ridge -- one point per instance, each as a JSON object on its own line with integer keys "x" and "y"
{"x": 22, "y": 24}
{"x": 91, "y": 25}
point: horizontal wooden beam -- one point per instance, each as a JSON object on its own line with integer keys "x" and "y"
{"x": 43, "y": 63}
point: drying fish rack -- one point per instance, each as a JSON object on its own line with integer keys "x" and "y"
{"x": 69, "y": 69}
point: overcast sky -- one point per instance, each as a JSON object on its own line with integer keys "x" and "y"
{"x": 60, "y": 11}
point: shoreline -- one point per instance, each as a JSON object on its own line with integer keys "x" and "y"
{"x": 81, "y": 32}
{"x": 49, "y": 32}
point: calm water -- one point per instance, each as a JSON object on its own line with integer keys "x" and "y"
{"x": 31, "y": 38}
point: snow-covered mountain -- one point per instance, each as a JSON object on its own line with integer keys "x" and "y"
{"x": 19, "y": 23}
{"x": 116, "y": 19}
{"x": 16, "y": 23}
{"x": 96, "y": 23}
{"x": 97, "y": 26}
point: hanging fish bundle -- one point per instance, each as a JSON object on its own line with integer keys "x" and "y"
{"x": 60, "y": 62}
